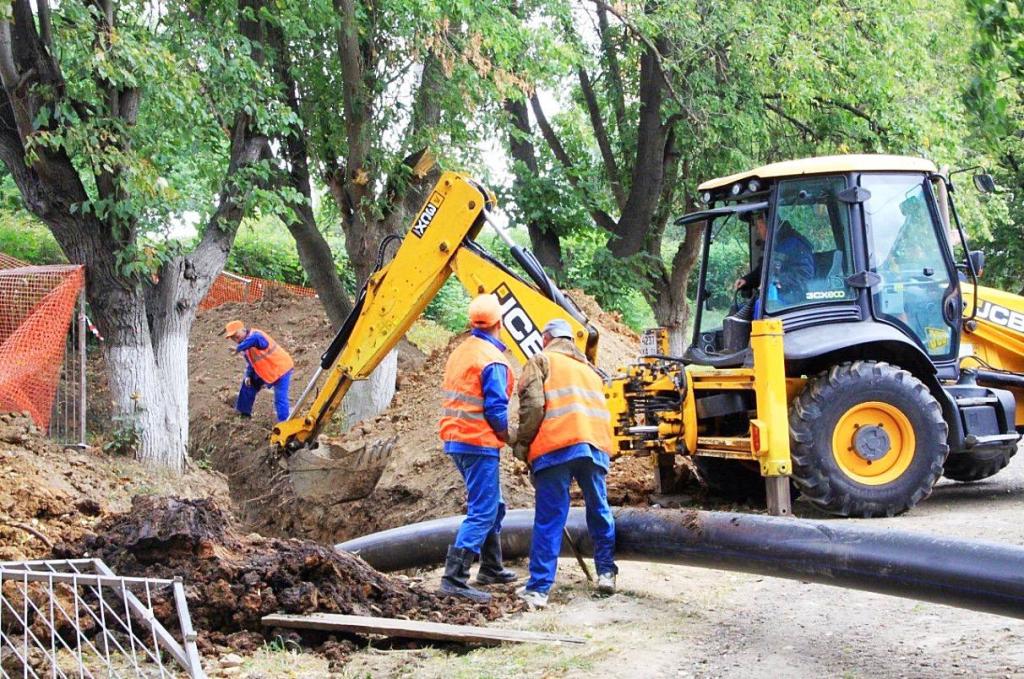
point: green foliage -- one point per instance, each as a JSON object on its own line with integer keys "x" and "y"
{"x": 188, "y": 72}
{"x": 22, "y": 236}
{"x": 995, "y": 97}
{"x": 265, "y": 249}
{"x": 126, "y": 436}
{"x": 450, "y": 307}
{"x": 616, "y": 285}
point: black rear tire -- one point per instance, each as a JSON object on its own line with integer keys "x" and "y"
{"x": 827, "y": 401}
{"x": 977, "y": 465}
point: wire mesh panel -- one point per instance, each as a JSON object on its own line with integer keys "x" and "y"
{"x": 76, "y": 618}
{"x": 67, "y": 413}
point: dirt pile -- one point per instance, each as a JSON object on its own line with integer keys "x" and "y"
{"x": 50, "y": 494}
{"x": 232, "y": 579}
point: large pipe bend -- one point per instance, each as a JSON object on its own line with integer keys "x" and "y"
{"x": 982, "y": 576}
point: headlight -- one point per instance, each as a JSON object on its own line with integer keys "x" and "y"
{"x": 753, "y": 186}
{"x": 736, "y": 189}
{"x": 706, "y": 197}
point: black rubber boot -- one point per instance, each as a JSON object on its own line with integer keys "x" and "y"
{"x": 456, "y": 576}
{"x": 492, "y": 572}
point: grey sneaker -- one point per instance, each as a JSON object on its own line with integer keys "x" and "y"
{"x": 532, "y": 599}
{"x": 606, "y": 583}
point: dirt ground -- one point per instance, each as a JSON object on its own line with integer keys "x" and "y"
{"x": 51, "y": 495}
{"x": 676, "y": 621}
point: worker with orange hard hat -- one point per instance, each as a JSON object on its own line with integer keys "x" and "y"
{"x": 474, "y": 426}
{"x": 267, "y": 365}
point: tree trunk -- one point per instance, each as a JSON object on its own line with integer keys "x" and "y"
{"x": 370, "y": 397}
{"x": 543, "y": 241}
{"x": 315, "y": 253}
{"x": 669, "y": 291}
{"x": 151, "y": 403}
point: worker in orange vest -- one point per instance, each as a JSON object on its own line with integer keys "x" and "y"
{"x": 564, "y": 433}
{"x": 474, "y": 426}
{"x": 267, "y": 365}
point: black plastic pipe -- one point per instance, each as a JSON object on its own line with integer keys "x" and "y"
{"x": 981, "y": 576}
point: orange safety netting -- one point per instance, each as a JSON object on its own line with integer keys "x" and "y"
{"x": 8, "y": 262}
{"x": 36, "y": 307}
{"x": 229, "y": 287}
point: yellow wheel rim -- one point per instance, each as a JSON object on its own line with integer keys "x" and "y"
{"x": 873, "y": 443}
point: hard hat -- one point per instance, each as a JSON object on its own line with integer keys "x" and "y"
{"x": 558, "y": 327}
{"x": 484, "y": 311}
{"x": 232, "y": 327}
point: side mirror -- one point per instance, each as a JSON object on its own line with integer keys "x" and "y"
{"x": 977, "y": 261}
{"x": 985, "y": 183}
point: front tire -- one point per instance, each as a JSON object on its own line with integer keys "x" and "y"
{"x": 868, "y": 439}
{"x": 977, "y": 465}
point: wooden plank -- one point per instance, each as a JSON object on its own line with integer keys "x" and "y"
{"x": 414, "y": 629}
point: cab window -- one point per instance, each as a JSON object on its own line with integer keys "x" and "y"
{"x": 811, "y": 255}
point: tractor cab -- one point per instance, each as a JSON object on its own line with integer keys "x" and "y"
{"x": 843, "y": 250}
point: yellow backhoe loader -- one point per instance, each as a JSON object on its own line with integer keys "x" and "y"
{"x": 858, "y": 361}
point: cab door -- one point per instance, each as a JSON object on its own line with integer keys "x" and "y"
{"x": 918, "y": 290}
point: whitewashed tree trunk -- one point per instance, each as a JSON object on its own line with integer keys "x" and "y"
{"x": 370, "y": 397}
{"x": 144, "y": 403}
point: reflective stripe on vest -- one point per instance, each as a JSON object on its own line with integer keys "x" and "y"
{"x": 574, "y": 408}
{"x": 462, "y": 410}
{"x": 271, "y": 363}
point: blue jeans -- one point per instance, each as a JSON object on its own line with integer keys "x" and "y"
{"x": 247, "y": 395}
{"x": 552, "y": 509}
{"x": 484, "y": 507}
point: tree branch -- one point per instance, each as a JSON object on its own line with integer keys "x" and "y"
{"x": 652, "y": 47}
{"x": 554, "y": 143}
{"x": 353, "y": 94}
{"x": 777, "y": 110}
{"x": 45, "y": 24}
{"x": 611, "y": 168}
{"x": 856, "y": 111}
{"x": 614, "y": 73}
{"x": 8, "y": 71}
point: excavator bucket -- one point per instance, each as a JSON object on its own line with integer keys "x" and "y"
{"x": 333, "y": 473}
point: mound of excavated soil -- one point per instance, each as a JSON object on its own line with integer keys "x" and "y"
{"x": 419, "y": 483}
{"x": 49, "y": 494}
{"x": 232, "y": 580}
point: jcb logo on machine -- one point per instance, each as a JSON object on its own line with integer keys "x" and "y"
{"x": 519, "y": 325}
{"x": 427, "y": 215}
{"x": 1000, "y": 316}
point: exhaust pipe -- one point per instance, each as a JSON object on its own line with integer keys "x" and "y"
{"x": 980, "y": 576}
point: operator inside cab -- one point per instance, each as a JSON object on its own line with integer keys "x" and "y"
{"x": 792, "y": 265}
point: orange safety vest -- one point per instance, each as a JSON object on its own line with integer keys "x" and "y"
{"x": 574, "y": 408}
{"x": 271, "y": 363}
{"x": 462, "y": 418}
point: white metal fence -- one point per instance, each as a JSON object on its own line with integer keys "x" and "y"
{"x": 76, "y": 618}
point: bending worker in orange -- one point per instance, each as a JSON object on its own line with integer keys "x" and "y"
{"x": 565, "y": 433}
{"x": 474, "y": 427}
{"x": 267, "y": 365}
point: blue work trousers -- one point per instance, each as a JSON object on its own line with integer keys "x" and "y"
{"x": 552, "y": 509}
{"x": 247, "y": 395}
{"x": 484, "y": 506}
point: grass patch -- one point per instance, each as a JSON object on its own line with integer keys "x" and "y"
{"x": 429, "y": 335}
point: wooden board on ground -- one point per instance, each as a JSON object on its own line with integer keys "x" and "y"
{"x": 414, "y": 629}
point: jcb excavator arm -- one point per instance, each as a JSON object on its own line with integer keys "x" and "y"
{"x": 439, "y": 243}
